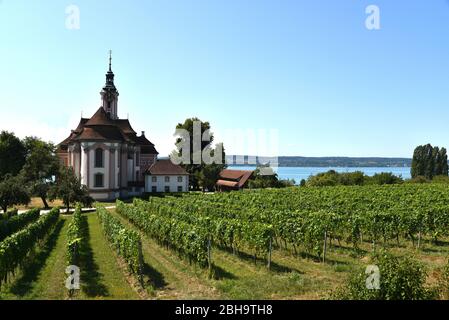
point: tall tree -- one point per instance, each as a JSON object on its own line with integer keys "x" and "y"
{"x": 443, "y": 161}
{"x": 429, "y": 161}
{"x": 12, "y": 192}
{"x": 195, "y": 135}
{"x": 41, "y": 166}
{"x": 12, "y": 154}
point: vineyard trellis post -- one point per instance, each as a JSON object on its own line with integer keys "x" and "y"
{"x": 324, "y": 246}
{"x": 269, "y": 253}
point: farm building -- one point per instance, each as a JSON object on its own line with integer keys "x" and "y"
{"x": 233, "y": 179}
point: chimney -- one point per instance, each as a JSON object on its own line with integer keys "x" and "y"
{"x": 143, "y": 133}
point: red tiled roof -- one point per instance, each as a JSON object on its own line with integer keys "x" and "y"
{"x": 231, "y": 184}
{"x": 238, "y": 176}
{"x": 167, "y": 167}
{"x": 101, "y": 127}
{"x": 124, "y": 125}
{"x": 100, "y": 133}
{"x": 100, "y": 118}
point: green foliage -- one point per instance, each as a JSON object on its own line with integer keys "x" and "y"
{"x": 189, "y": 240}
{"x": 401, "y": 278}
{"x": 12, "y": 192}
{"x": 429, "y": 161}
{"x": 261, "y": 181}
{"x": 12, "y": 154}
{"x": 202, "y": 174}
{"x": 69, "y": 188}
{"x": 9, "y": 214}
{"x": 41, "y": 165}
{"x": 385, "y": 178}
{"x": 17, "y": 222}
{"x": 15, "y": 248}
{"x": 443, "y": 283}
{"x": 74, "y": 238}
{"x": 126, "y": 242}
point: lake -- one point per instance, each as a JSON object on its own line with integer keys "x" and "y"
{"x": 299, "y": 173}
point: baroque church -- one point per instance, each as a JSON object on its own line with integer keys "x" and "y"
{"x": 111, "y": 159}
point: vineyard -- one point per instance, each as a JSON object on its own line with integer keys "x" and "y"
{"x": 292, "y": 243}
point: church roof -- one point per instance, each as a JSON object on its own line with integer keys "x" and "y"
{"x": 100, "y": 118}
{"x": 102, "y": 128}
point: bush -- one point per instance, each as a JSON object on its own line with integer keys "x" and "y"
{"x": 401, "y": 278}
{"x": 419, "y": 179}
{"x": 385, "y": 178}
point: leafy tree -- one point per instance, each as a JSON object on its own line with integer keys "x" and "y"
{"x": 261, "y": 181}
{"x": 429, "y": 161}
{"x": 69, "y": 188}
{"x": 195, "y": 166}
{"x": 12, "y": 154}
{"x": 41, "y": 166}
{"x": 12, "y": 192}
{"x": 443, "y": 166}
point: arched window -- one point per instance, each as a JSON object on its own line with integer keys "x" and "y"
{"x": 99, "y": 158}
{"x": 99, "y": 181}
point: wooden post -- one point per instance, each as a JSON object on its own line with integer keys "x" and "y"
{"x": 324, "y": 246}
{"x": 209, "y": 255}
{"x": 269, "y": 255}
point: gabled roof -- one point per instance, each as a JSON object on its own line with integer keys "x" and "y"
{"x": 165, "y": 167}
{"x": 100, "y": 118}
{"x": 236, "y": 177}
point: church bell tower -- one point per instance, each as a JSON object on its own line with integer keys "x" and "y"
{"x": 109, "y": 94}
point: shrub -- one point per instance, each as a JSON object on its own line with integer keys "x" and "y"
{"x": 385, "y": 178}
{"x": 401, "y": 278}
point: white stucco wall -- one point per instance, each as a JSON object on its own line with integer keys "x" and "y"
{"x": 160, "y": 183}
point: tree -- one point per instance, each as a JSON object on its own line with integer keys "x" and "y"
{"x": 12, "y": 192}
{"x": 429, "y": 161}
{"x": 69, "y": 188}
{"x": 41, "y": 166}
{"x": 443, "y": 162}
{"x": 198, "y": 138}
{"x": 12, "y": 154}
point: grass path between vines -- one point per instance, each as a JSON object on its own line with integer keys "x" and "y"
{"x": 102, "y": 278}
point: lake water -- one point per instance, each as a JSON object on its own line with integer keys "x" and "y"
{"x": 299, "y": 173}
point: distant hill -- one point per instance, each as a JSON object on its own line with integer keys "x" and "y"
{"x": 333, "y": 161}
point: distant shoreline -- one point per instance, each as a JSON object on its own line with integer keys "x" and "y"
{"x": 322, "y": 162}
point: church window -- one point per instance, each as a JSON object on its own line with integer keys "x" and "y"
{"x": 180, "y": 179}
{"x": 99, "y": 183}
{"x": 167, "y": 179}
{"x": 153, "y": 179}
{"x": 99, "y": 158}
{"x": 137, "y": 159}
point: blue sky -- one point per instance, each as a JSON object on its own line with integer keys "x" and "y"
{"x": 310, "y": 70}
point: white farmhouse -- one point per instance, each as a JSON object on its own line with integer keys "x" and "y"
{"x": 165, "y": 176}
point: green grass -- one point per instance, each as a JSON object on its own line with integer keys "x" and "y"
{"x": 102, "y": 278}
{"x": 44, "y": 276}
{"x": 167, "y": 276}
